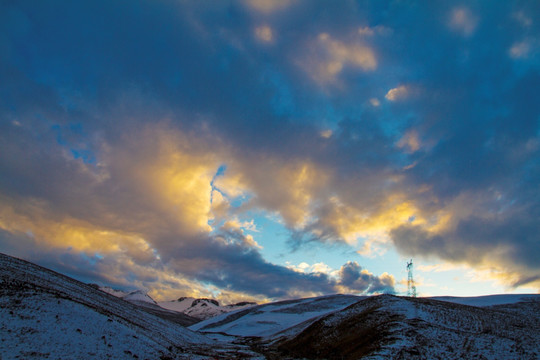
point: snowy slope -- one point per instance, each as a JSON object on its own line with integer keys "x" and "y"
{"x": 268, "y": 319}
{"x": 44, "y": 314}
{"x": 201, "y": 308}
{"x": 180, "y": 305}
{"x": 390, "y": 327}
{"x": 134, "y": 296}
{"x": 488, "y": 300}
{"x": 143, "y": 300}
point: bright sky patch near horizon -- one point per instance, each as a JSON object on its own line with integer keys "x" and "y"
{"x": 270, "y": 149}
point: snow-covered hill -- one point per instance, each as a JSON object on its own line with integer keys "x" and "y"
{"x": 268, "y": 319}
{"x": 391, "y": 327}
{"x": 381, "y": 327}
{"x": 44, "y": 314}
{"x": 202, "y": 308}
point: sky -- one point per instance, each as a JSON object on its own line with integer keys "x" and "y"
{"x": 273, "y": 149}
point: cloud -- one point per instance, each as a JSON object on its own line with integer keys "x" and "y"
{"x": 366, "y": 31}
{"x": 337, "y": 221}
{"x": 374, "y": 102}
{"x": 326, "y": 133}
{"x": 339, "y": 53}
{"x": 286, "y": 187}
{"x": 354, "y": 277}
{"x": 235, "y": 230}
{"x": 398, "y": 93}
{"x": 264, "y": 33}
{"x": 330, "y": 57}
{"x": 376, "y": 30}
{"x": 438, "y": 267}
{"x": 410, "y": 141}
{"x": 152, "y": 211}
{"x": 484, "y": 243}
{"x": 178, "y": 127}
{"x": 314, "y": 268}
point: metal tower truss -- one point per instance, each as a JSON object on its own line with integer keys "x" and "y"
{"x": 411, "y": 288}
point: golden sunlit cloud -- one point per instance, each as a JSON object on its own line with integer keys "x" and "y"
{"x": 171, "y": 174}
{"x": 352, "y": 224}
{"x": 374, "y": 246}
{"x": 220, "y": 206}
{"x": 494, "y": 273}
{"x": 231, "y": 184}
{"x": 69, "y": 233}
{"x": 285, "y": 187}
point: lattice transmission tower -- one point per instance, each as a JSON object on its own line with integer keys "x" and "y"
{"x": 411, "y": 288}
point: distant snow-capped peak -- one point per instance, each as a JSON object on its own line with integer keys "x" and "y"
{"x": 137, "y": 295}
{"x": 201, "y": 308}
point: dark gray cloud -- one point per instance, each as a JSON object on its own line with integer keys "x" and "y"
{"x": 352, "y": 276}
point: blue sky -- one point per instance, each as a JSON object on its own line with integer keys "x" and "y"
{"x": 269, "y": 149}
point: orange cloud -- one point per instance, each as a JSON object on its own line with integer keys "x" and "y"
{"x": 351, "y": 223}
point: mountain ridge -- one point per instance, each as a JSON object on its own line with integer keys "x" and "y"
{"x": 44, "y": 314}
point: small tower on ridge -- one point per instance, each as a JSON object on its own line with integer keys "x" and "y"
{"x": 411, "y": 288}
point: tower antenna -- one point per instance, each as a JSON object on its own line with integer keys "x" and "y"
{"x": 411, "y": 288}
